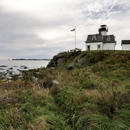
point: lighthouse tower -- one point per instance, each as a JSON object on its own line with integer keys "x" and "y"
{"x": 103, "y": 30}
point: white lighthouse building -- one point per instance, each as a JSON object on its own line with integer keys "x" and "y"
{"x": 101, "y": 41}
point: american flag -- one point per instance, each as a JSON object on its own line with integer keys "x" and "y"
{"x": 73, "y": 29}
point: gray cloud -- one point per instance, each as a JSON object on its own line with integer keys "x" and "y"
{"x": 18, "y": 32}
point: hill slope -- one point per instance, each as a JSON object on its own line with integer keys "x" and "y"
{"x": 91, "y": 91}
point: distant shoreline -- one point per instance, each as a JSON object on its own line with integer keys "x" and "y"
{"x": 31, "y": 59}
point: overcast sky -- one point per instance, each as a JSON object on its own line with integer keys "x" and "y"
{"x": 41, "y": 28}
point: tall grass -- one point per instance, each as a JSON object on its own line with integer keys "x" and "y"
{"x": 95, "y": 95}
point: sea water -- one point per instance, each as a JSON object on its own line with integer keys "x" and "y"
{"x": 16, "y": 64}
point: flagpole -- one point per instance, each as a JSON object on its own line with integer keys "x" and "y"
{"x": 75, "y": 37}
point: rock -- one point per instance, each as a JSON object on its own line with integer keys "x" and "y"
{"x": 36, "y": 74}
{"x": 22, "y": 70}
{"x": 16, "y": 75}
{"x": 70, "y": 66}
{"x": 57, "y": 60}
{"x": 2, "y": 76}
{"x": 78, "y": 62}
{"x": 23, "y": 67}
{"x": 60, "y": 61}
{"x": 10, "y": 68}
{"x": 46, "y": 90}
{"x": 10, "y": 74}
{"x": 2, "y": 69}
{"x": 17, "y": 72}
{"x": 8, "y": 77}
{"x": 3, "y": 66}
{"x": 62, "y": 58}
{"x": 55, "y": 82}
{"x": 35, "y": 80}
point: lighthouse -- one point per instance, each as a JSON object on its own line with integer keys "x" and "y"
{"x": 100, "y": 41}
{"x": 103, "y": 30}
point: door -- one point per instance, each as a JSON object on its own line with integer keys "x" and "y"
{"x": 88, "y": 47}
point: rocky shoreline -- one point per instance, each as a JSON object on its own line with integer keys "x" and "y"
{"x": 12, "y": 73}
{"x": 16, "y": 73}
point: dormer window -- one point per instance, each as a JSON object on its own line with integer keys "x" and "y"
{"x": 108, "y": 38}
{"x": 93, "y": 37}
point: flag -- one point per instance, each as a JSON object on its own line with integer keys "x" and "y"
{"x": 73, "y": 29}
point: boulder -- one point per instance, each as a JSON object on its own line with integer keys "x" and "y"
{"x": 60, "y": 61}
{"x": 57, "y": 60}
{"x": 70, "y": 66}
{"x": 55, "y": 82}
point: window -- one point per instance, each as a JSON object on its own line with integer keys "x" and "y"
{"x": 108, "y": 38}
{"x": 94, "y": 37}
{"x": 88, "y": 47}
{"x": 98, "y": 47}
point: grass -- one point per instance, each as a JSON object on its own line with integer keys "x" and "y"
{"x": 95, "y": 95}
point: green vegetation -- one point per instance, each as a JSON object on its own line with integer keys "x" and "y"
{"x": 94, "y": 95}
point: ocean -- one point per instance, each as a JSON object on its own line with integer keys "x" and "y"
{"x": 16, "y": 64}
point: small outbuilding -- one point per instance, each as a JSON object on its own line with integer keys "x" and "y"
{"x": 100, "y": 41}
{"x": 125, "y": 44}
